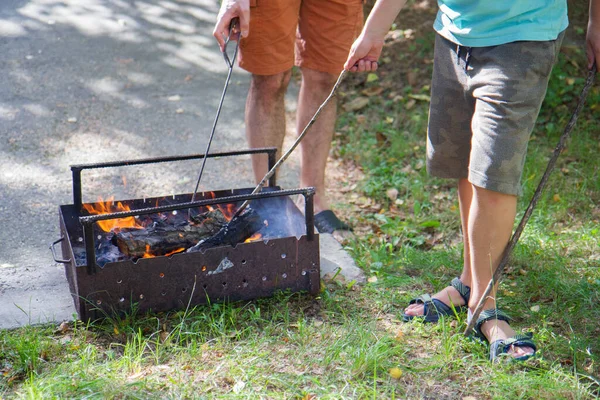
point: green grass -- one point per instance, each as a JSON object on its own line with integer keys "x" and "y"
{"x": 343, "y": 343}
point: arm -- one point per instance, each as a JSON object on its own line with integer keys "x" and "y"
{"x": 367, "y": 48}
{"x": 593, "y": 34}
{"x": 231, "y": 9}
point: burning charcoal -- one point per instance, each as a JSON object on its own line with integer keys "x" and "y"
{"x": 236, "y": 231}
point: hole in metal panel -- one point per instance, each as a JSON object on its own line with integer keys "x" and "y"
{"x": 163, "y": 293}
{"x": 303, "y": 273}
{"x": 284, "y": 276}
{"x": 183, "y": 290}
{"x": 161, "y": 275}
{"x": 141, "y": 297}
{"x": 205, "y": 286}
{"x": 264, "y": 278}
{"x": 80, "y": 239}
{"x": 203, "y": 268}
{"x": 224, "y": 284}
{"x": 98, "y": 302}
{"x": 120, "y": 281}
{"x": 122, "y": 299}
{"x": 283, "y": 255}
{"x": 243, "y": 262}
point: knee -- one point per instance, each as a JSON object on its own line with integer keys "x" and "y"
{"x": 270, "y": 87}
{"x": 318, "y": 81}
{"x": 492, "y": 197}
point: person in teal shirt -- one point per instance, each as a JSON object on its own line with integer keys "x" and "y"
{"x": 492, "y": 62}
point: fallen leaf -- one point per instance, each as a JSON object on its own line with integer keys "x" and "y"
{"x": 392, "y": 194}
{"x": 361, "y": 119}
{"x": 372, "y": 77}
{"x": 72, "y": 120}
{"x": 399, "y": 336}
{"x": 421, "y": 97}
{"x": 372, "y": 279}
{"x": 179, "y": 111}
{"x": 410, "y": 104}
{"x": 356, "y": 104}
{"x": 381, "y": 138}
{"x": 535, "y": 308}
{"x": 556, "y": 198}
{"x": 174, "y": 98}
{"x": 188, "y": 78}
{"x": 372, "y": 91}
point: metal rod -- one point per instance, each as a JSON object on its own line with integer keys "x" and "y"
{"x": 309, "y": 215}
{"x": 230, "y": 64}
{"x": 86, "y": 220}
{"x": 271, "y": 163}
{"x": 294, "y": 145}
{"x": 156, "y": 160}
{"x": 76, "y": 171}
{"x": 515, "y": 237}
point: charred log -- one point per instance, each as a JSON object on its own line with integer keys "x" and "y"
{"x": 236, "y": 231}
{"x": 163, "y": 237}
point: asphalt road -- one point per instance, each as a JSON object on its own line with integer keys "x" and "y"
{"x": 96, "y": 80}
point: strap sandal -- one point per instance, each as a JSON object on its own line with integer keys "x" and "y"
{"x": 434, "y": 308}
{"x": 500, "y": 347}
{"x": 327, "y": 222}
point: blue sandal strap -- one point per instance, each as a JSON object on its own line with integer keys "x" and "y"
{"x": 502, "y": 346}
{"x": 489, "y": 315}
{"x": 432, "y": 309}
{"x": 462, "y": 289}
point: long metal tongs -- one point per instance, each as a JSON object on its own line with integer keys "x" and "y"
{"x": 538, "y": 192}
{"x": 289, "y": 151}
{"x": 229, "y": 63}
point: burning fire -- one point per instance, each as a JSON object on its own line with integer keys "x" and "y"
{"x": 109, "y": 206}
{"x": 148, "y": 253}
{"x": 228, "y": 210}
{"x": 253, "y": 238}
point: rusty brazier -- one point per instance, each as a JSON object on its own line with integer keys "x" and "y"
{"x": 286, "y": 258}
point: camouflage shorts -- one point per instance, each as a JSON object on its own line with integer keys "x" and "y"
{"x": 484, "y": 103}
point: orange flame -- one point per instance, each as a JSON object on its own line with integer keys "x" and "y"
{"x": 109, "y": 206}
{"x": 253, "y": 238}
{"x": 148, "y": 252}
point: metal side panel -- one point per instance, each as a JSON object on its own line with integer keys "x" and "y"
{"x": 248, "y": 271}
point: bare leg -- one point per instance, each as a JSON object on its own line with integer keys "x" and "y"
{"x": 265, "y": 116}
{"x": 490, "y": 222}
{"x": 449, "y": 294}
{"x": 315, "y": 146}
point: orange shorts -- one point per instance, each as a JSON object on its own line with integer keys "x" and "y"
{"x": 315, "y": 34}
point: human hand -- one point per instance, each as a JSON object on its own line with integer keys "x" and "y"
{"x": 364, "y": 53}
{"x": 231, "y": 9}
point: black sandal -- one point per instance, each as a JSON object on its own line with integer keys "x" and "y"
{"x": 501, "y": 346}
{"x": 433, "y": 308}
{"x": 327, "y": 222}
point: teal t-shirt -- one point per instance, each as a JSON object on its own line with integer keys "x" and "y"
{"x": 480, "y": 23}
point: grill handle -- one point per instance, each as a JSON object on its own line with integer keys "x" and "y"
{"x": 76, "y": 169}
{"x": 58, "y": 260}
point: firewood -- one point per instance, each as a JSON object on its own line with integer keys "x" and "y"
{"x": 164, "y": 237}
{"x": 236, "y": 231}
